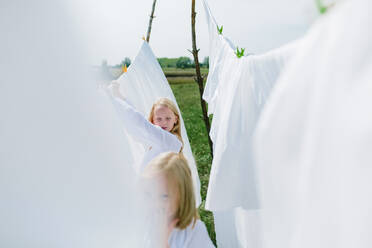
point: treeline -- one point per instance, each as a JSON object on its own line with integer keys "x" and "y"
{"x": 181, "y": 62}
{"x": 126, "y": 62}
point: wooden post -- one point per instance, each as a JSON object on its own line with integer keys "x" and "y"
{"x": 199, "y": 79}
{"x": 150, "y": 22}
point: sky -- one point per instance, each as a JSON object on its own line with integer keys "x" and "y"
{"x": 113, "y": 28}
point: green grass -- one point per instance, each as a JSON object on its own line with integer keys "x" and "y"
{"x": 190, "y": 72}
{"x": 181, "y": 80}
{"x": 182, "y": 76}
{"x": 188, "y": 99}
{"x": 173, "y": 69}
{"x": 182, "y": 73}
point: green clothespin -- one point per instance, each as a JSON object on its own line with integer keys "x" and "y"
{"x": 219, "y": 29}
{"x": 239, "y": 52}
{"x": 321, "y": 7}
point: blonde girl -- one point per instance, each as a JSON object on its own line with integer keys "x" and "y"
{"x": 161, "y": 132}
{"x": 155, "y": 118}
{"x": 176, "y": 196}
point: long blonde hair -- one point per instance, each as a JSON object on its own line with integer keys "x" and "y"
{"x": 165, "y": 102}
{"x": 176, "y": 169}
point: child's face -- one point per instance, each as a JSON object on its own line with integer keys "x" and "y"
{"x": 164, "y": 118}
{"x": 164, "y": 196}
{"x": 168, "y": 196}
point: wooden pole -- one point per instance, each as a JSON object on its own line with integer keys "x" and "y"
{"x": 150, "y": 22}
{"x": 199, "y": 79}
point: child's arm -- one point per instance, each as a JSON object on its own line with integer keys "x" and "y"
{"x": 139, "y": 127}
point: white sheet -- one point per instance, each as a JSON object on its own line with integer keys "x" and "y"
{"x": 63, "y": 182}
{"x": 236, "y": 91}
{"x": 315, "y": 137}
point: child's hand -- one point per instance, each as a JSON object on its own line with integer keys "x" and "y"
{"x": 114, "y": 87}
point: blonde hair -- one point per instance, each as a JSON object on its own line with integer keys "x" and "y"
{"x": 176, "y": 169}
{"x": 165, "y": 102}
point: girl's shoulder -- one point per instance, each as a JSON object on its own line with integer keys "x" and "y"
{"x": 193, "y": 236}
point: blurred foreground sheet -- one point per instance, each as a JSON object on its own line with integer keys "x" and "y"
{"x": 63, "y": 175}
{"x": 314, "y": 139}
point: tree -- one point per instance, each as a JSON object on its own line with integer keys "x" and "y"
{"x": 199, "y": 79}
{"x": 150, "y": 22}
{"x": 162, "y": 62}
{"x": 167, "y": 62}
{"x": 183, "y": 62}
{"x": 126, "y": 62}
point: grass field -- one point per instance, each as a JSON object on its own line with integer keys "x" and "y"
{"x": 188, "y": 99}
{"x": 174, "y": 72}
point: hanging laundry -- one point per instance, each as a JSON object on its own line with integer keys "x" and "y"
{"x": 314, "y": 138}
{"x": 236, "y": 91}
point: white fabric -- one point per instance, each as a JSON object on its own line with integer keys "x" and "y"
{"x": 191, "y": 237}
{"x": 220, "y": 58}
{"x": 315, "y": 137}
{"x": 155, "y": 139}
{"x": 238, "y": 228}
{"x": 236, "y": 91}
{"x": 63, "y": 182}
{"x": 143, "y": 84}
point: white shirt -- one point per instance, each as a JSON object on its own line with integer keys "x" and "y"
{"x": 154, "y": 138}
{"x": 191, "y": 237}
